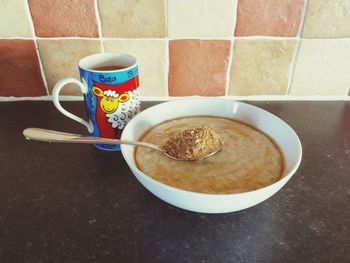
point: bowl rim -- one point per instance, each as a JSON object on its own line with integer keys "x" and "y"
{"x": 286, "y": 177}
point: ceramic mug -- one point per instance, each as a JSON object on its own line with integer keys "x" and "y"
{"x": 110, "y": 85}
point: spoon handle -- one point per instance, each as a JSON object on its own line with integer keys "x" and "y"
{"x": 56, "y": 136}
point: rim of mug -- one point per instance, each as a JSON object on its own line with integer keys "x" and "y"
{"x": 108, "y": 56}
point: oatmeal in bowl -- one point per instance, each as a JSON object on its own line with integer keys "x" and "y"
{"x": 259, "y": 154}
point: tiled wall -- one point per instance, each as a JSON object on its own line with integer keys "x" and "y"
{"x": 197, "y": 47}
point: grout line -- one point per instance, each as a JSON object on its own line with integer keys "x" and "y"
{"x": 230, "y": 59}
{"x": 167, "y": 66}
{"x": 167, "y": 47}
{"x": 302, "y": 20}
{"x": 234, "y": 17}
{"x": 42, "y": 98}
{"x": 229, "y": 66}
{"x": 29, "y": 17}
{"x": 165, "y": 98}
{"x": 264, "y": 38}
{"x": 162, "y": 38}
{"x": 42, "y": 70}
{"x": 166, "y": 18}
{"x": 293, "y": 66}
{"x": 69, "y": 38}
{"x": 136, "y": 39}
{"x": 31, "y": 25}
{"x": 102, "y": 43}
{"x": 99, "y": 25}
{"x": 15, "y": 38}
{"x": 174, "y": 38}
{"x": 200, "y": 38}
{"x": 30, "y": 20}
{"x": 297, "y": 49}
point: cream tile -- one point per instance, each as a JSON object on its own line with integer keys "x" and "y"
{"x": 327, "y": 19}
{"x": 130, "y": 18}
{"x": 151, "y": 55}
{"x": 60, "y": 59}
{"x": 322, "y": 68}
{"x": 261, "y": 67}
{"x": 205, "y": 18}
{"x": 14, "y": 21}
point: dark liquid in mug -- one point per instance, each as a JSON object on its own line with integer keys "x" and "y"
{"x": 108, "y": 68}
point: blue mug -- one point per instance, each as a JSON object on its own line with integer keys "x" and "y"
{"x": 110, "y": 84}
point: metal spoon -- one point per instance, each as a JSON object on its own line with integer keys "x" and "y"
{"x": 45, "y": 135}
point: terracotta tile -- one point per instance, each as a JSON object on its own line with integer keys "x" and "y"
{"x": 142, "y": 18}
{"x": 60, "y": 59}
{"x": 19, "y": 69}
{"x": 15, "y": 22}
{"x": 322, "y": 68}
{"x": 198, "y": 67}
{"x": 64, "y": 18}
{"x": 205, "y": 18}
{"x": 151, "y": 56}
{"x": 327, "y": 19}
{"x": 261, "y": 67}
{"x": 268, "y": 17}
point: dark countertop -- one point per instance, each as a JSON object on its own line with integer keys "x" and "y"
{"x": 75, "y": 203}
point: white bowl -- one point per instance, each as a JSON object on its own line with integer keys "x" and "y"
{"x": 277, "y": 129}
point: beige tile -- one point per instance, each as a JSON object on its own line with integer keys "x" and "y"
{"x": 60, "y": 59}
{"x": 261, "y": 67}
{"x": 151, "y": 56}
{"x": 205, "y": 18}
{"x": 14, "y": 21}
{"x": 322, "y": 68}
{"x": 130, "y": 18}
{"x": 327, "y": 19}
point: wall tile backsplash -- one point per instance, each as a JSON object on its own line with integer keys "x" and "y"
{"x": 14, "y": 21}
{"x": 198, "y": 67}
{"x": 152, "y": 63}
{"x": 204, "y": 18}
{"x": 64, "y": 18}
{"x": 133, "y": 19}
{"x": 60, "y": 59}
{"x": 19, "y": 69}
{"x": 269, "y": 17}
{"x": 327, "y": 19}
{"x": 327, "y": 64}
{"x": 184, "y": 48}
{"x": 261, "y": 67}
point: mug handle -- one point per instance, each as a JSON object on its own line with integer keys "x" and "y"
{"x": 55, "y": 96}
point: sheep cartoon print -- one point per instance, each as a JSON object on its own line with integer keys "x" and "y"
{"x": 116, "y": 106}
{"x": 126, "y": 111}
